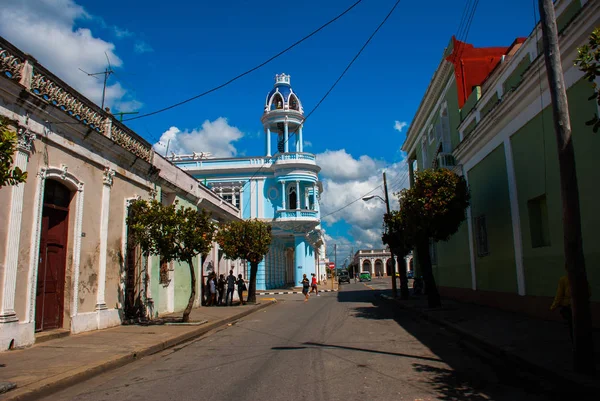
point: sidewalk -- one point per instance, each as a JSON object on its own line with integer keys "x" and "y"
{"x": 537, "y": 345}
{"x": 59, "y": 363}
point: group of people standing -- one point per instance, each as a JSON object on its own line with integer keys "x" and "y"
{"x": 312, "y": 284}
{"x": 216, "y": 288}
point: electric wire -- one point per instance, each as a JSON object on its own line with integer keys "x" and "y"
{"x": 250, "y": 70}
{"x": 335, "y": 83}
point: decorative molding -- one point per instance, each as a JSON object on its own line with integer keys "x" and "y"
{"x": 153, "y": 192}
{"x": 64, "y": 171}
{"x": 10, "y": 65}
{"x": 25, "y": 139}
{"x": 128, "y": 142}
{"x": 108, "y": 175}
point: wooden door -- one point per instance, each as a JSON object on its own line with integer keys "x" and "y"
{"x": 53, "y": 256}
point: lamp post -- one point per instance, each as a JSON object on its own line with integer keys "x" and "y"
{"x": 387, "y": 205}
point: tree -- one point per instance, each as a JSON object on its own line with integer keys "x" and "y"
{"x": 248, "y": 240}
{"x": 396, "y": 238}
{"x": 432, "y": 209}
{"x": 583, "y": 337}
{"x": 8, "y": 147}
{"x": 588, "y": 61}
{"x": 174, "y": 233}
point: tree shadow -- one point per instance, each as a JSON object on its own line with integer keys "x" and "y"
{"x": 469, "y": 375}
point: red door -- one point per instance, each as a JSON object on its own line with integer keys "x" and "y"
{"x": 52, "y": 263}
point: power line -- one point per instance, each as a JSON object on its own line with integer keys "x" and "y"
{"x": 250, "y": 70}
{"x": 337, "y": 81}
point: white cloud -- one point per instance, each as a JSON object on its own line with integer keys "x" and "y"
{"x": 307, "y": 144}
{"x": 340, "y": 166}
{"x": 46, "y": 29}
{"x": 351, "y": 180}
{"x": 142, "y": 47}
{"x": 399, "y": 126}
{"x": 216, "y": 137}
{"x": 121, "y": 33}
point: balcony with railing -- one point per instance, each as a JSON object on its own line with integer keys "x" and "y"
{"x": 296, "y": 215}
{"x": 199, "y": 161}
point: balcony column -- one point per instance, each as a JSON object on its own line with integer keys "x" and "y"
{"x": 286, "y": 143}
{"x": 268, "y": 143}
{"x": 315, "y": 197}
{"x": 306, "y": 198}
{"x": 297, "y": 206}
{"x": 300, "y": 139}
{"x": 283, "y": 194}
{"x": 297, "y": 142}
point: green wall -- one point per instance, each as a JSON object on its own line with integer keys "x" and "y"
{"x": 489, "y": 196}
{"x": 182, "y": 272}
{"x": 454, "y": 265}
{"x": 537, "y": 173}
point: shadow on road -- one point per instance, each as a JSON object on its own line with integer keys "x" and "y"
{"x": 468, "y": 376}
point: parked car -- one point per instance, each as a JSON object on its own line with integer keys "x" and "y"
{"x": 343, "y": 277}
{"x": 364, "y": 276}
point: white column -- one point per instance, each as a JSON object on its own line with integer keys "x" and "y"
{"x": 9, "y": 287}
{"x": 286, "y": 137}
{"x": 268, "y": 142}
{"x": 104, "y": 211}
{"x": 283, "y": 194}
{"x": 300, "y": 139}
{"x": 315, "y": 197}
{"x": 306, "y": 198}
{"x": 297, "y": 205}
{"x": 514, "y": 215}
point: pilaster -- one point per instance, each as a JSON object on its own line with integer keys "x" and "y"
{"x": 24, "y": 147}
{"x": 104, "y": 212}
{"x": 268, "y": 139}
{"x": 286, "y": 144}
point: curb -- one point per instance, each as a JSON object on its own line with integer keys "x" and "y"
{"x": 289, "y": 292}
{"x": 49, "y": 386}
{"x": 590, "y": 385}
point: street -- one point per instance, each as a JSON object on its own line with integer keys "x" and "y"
{"x": 349, "y": 345}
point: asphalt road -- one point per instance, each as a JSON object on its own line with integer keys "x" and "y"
{"x": 349, "y": 345}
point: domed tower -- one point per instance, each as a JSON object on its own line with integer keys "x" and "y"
{"x": 283, "y": 116}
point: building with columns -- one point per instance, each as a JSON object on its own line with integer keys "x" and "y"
{"x": 281, "y": 187}
{"x": 487, "y": 115}
{"x": 65, "y": 261}
{"x": 378, "y": 262}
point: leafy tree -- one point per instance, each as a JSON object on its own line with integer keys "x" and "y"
{"x": 248, "y": 240}
{"x": 174, "y": 233}
{"x": 8, "y": 146}
{"x": 588, "y": 61}
{"x": 395, "y": 237}
{"x": 432, "y": 209}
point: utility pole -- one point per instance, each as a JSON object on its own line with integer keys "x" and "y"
{"x": 387, "y": 205}
{"x": 583, "y": 343}
{"x": 334, "y": 264}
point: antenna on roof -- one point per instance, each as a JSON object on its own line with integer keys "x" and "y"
{"x": 107, "y": 71}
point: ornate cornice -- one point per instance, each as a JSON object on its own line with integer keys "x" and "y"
{"x": 25, "y": 139}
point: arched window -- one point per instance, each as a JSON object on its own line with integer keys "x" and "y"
{"x": 276, "y": 102}
{"x": 294, "y": 105}
{"x": 292, "y": 199}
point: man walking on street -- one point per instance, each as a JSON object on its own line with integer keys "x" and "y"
{"x": 230, "y": 288}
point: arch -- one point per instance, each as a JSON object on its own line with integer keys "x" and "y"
{"x": 62, "y": 175}
{"x": 378, "y": 268}
{"x": 294, "y": 102}
{"x": 276, "y": 102}
{"x": 366, "y": 266}
{"x": 292, "y": 198}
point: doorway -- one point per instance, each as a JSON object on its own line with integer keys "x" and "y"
{"x": 50, "y": 299}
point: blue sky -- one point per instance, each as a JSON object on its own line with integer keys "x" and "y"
{"x": 164, "y": 52}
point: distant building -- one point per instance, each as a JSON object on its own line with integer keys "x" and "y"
{"x": 487, "y": 115}
{"x": 378, "y": 262}
{"x": 282, "y": 188}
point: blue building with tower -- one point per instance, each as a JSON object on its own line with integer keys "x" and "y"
{"x": 281, "y": 187}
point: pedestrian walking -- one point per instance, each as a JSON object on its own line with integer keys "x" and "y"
{"x": 221, "y": 289}
{"x": 207, "y": 290}
{"x": 230, "y": 288}
{"x": 562, "y": 300}
{"x": 313, "y": 285}
{"x": 213, "y": 290}
{"x": 305, "y": 285}
{"x": 241, "y": 288}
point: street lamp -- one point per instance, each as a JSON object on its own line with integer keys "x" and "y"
{"x": 387, "y": 205}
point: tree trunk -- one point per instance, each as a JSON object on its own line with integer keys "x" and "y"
{"x": 404, "y": 294}
{"x": 433, "y": 296}
{"x": 583, "y": 343}
{"x": 252, "y": 286}
{"x": 394, "y": 289}
{"x": 188, "y": 308}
